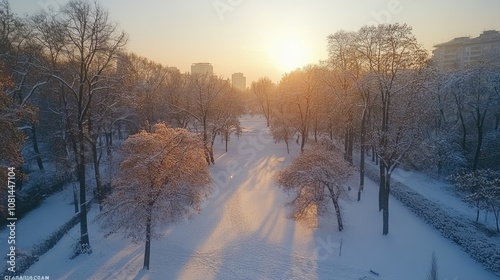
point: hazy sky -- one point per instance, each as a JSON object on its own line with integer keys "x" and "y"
{"x": 271, "y": 37}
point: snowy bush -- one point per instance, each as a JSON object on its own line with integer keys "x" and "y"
{"x": 44, "y": 246}
{"x": 25, "y": 259}
{"x": 482, "y": 190}
{"x": 33, "y": 194}
{"x": 451, "y": 224}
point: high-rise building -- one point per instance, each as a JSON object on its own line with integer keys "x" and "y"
{"x": 464, "y": 50}
{"x": 202, "y": 68}
{"x": 239, "y": 81}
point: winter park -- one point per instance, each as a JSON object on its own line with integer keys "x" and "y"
{"x": 365, "y": 144}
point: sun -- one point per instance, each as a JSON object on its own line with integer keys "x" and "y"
{"x": 289, "y": 53}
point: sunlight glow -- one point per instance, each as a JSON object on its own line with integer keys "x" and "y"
{"x": 288, "y": 53}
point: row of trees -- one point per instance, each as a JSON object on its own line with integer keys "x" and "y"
{"x": 379, "y": 91}
{"x": 70, "y": 89}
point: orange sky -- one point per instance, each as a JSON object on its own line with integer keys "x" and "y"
{"x": 269, "y": 38}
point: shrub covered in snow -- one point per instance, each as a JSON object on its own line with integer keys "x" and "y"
{"x": 451, "y": 224}
{"x": 30, "y": 197}
{"x": 25, "y": 259}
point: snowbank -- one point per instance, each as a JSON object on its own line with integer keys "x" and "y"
{"x": 450, "y": 223}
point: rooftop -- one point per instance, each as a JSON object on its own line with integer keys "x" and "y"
{"x": 487, "y": 35}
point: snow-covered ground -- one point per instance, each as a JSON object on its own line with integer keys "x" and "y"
{"x": 37, "y": 224}
{"x": 243, "y": 233}
{"x": 441, "y": 193}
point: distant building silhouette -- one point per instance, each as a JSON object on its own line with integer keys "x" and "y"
{"x": 239, "y": 81}
{"x": 173, "y": 69}
{"x": 202, "y": 68}
{"x": 464, "y": 50}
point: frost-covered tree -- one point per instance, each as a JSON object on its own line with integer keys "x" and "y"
{"x": 481, "y": 189}
{"x": 281, "y": 123}
{"x": 476, "y": 94}
{"x": 88, "y": 44}
{"x": 163, "y": 177}
{"x": 205, "y": 97}
{"x": 345, "y": 70}
{"x": 264, "y": 90}
{"x": 147, "y": 84}
{"x": 395, "y": 60}
{"x": 315, "y": 176}
{"x": 301, "y": 89}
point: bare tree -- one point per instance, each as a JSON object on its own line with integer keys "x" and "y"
{"x": 342, "y": 79}
{"x": 147, "y": 86}
{"x": 164, "y": 177}
{"x": 394, "y": 59}
{"x": 476, "y": 90}
{"x": 204, "y": 93}
{"x": 264, "y": 90}
{"x": 301, "y": 89}
{"x": 90, "y": 46}
{"x": 282, "y": 127}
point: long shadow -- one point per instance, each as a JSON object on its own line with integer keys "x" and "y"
{"x": 267, "y": 252}
{"x": 212, "y": 213}
{"x": 253, "y": 254}
{"x": 174, "y": 249}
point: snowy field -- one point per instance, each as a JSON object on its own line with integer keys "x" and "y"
{"x": 243, "y": 233}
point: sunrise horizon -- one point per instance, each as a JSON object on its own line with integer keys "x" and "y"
{"x": 270, "y": 39}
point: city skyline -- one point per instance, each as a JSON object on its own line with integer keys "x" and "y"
{"x": 270, "y": 39}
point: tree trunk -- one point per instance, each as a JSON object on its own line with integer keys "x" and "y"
{"x": 464, "y": 132}
{"x": 337, "y": 208}
{"x": 362, "y": 157}
{"x": 96, "y": 161}
{"x": 477, "y": 211}
{"x": 381, "y": 189}
{"x": 97, "y": 174}
{"x": 75, "y": 198}
{"x": 84, "y": 236}
{"x": 387, "y": 191}
{"x": 211, "y": 149}
{"x": 479, "y": 123}
{"x": 346, "y": 142}
{"x": 147, "y": 248}
{"x": 496, "y": 219}
{"x": 227, "y": 139}
{"x": 35, "y": 148}
{"x": 350, "y": 146}
{"x": 316, "y": 130}
{"x": 303, "y": 140}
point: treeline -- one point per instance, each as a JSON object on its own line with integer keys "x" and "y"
{"x": 71, "y": 93}
{"x": 379, "y": 93}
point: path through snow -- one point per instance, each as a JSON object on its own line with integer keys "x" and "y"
{"x": 243, "y": 233}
